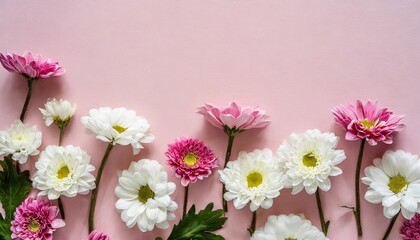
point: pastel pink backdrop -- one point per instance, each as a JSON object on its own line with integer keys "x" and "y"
{"x": 295, "y": 59}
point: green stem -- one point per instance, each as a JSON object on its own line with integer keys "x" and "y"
{"x": 251, "y": 229}
{"x": 28, "y": 98}
{"x": 324, "y": 225}
{"x": 95, "y": 191}
{"x": 60, "y": 139}
{"x": 61, "y": 207}
{"x": 390, "y": 226}
{"x": 184, "y": 209}
{"x": 227, "y": 157}
{"x": 357, "y": 188}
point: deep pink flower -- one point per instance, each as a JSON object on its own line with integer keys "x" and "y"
{"x": 35, "y": 220}
{"x": 411, "y": 228}
{"x": 367, "y": 120}
{"x": 30, "y": 66}
{"x": 95, "y": 235}
{"x": 234, "y": 117}
{"x": 190, "y": 159}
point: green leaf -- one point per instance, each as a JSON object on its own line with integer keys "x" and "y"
{"x": 14, "y": 187}
{"x": 199, "y": 226}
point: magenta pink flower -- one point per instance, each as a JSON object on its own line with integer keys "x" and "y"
{"x": 367, "y": 120}
{"x": 234, "y": 117}
{"x": 30, "y": 66}
{"x": 411, "y": 228}
{"x": 190, "y": 159}
{"x": 95, "y": 235}
{"x": 35, "y": 220}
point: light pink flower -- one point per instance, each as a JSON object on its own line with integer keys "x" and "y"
{"x": 190, "y": 159}
{"x": 35, "y": 219}
{"x": 234, "y": 117}
{"x": 30, "y": 66}
{"x": 95, "y": 235}
{"x": 411, "y": 228}
{"x": 367, "y": 120}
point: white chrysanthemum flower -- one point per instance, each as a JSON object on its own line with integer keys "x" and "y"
{"x": 58, "y": 112}
{"x": 143, "y": 191}
{"x": 253, "y": 177}
{"x": 118, "y": 126}
{"x": 63, "y": 171}
{"x": 308, "y": 160}
{"x": 394, "y": 180}
{"x": 21, "y": 141}
{"x": 290, "y": 227}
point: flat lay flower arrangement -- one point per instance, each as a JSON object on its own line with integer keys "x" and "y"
{"x": 303, "y": 162}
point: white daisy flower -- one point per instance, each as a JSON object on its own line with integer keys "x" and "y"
{"x": 308, "y": 160}
{"x": 63, "y": 171}
{"x": 118, "y": 126}
{"x": 394, "y": 180}
{"x": 58, "y": 112}
{"x": 253, "y": 177}
{"x": 21, "y": 141}
{"x": 290, "y": 227}
{"x": 143, "y": 191}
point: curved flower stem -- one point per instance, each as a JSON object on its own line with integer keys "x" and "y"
{"x": 61, "y": 207}
{"x": 60, "y": 139}
{"x": 391, "y": 225}
{"x": 227, "y": 157}
{"x": 184, "y": 209}
{"x": 324, "y": 225}
{"x": 28, "y": 97}
{"x": 251, "y": 229}
{"x": 95, "y": 191}
{"x": 357, "y": 187}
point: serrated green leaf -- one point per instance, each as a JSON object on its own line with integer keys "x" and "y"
{"x": 14, "y": 187}
{"x": 199, "y": 226}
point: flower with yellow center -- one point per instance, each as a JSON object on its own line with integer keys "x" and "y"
{"x": 63, "y": 171}
{"x": 394, "y": 181}
{"x": 254, "y": 178}
{"x": 58, "y": 112}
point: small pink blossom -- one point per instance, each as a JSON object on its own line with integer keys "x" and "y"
{"x": 190, "y": 159}
{"x": 367, "y": 120}
{"x": 411, "y": 228}
{"x": 35, "y": 219}
{"x": 234, "y": 117}
{"x": 30, "y": 66}
{"x": 95, "y": 235}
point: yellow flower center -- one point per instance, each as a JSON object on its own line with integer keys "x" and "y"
{"x": 34, "y": 226}
{"x": 397, "y": 183}
{"x": 63, "y": 172}
{"x": 254, "y": 179}
{"x": 289, "y": 238}
{"x": 190, "y": 159}
{"x": 145, "y": 193}
{"x": 309, "y": 160}
{"x": 18, "y": 137}
{"x": 119, "y": 129}
{"x": 368, "y": 124}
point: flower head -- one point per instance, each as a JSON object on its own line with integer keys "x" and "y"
{"x": 394, "y": 181}
{"x": 118, "y": 126}
{"x": 30, "y": 66}
{"x": 190, "y": 159}
{"x": 58, "y": 112}
{"x": 95, "y": 235}
{"x": 21, "y": 141}
{"x": 63, "y": 171}
{"x": 253, "y": 177}
{"x": 367, "y": 120}
{"x": 234, "y": 119}
{"x": 286, "y": 227}
{"x": 308, "y": 159}
{"x": 35, "y": 220}
{"x": 143, "y": 196}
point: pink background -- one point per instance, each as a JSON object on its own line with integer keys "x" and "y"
{"x": 295, "y": 59}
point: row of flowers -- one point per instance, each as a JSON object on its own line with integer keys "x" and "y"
{"x": 304, "y": 161}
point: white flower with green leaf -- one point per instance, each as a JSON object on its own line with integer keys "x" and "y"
{"x": 58, "y": 112}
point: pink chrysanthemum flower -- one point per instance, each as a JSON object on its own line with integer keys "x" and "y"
{"x": 95, "y": 235}
{"x": 30, "y": 66}
{"x": 411, "y": 228}
{"x": 35, "y": 219}
{"x": 368, "y": 121}
{"x": 190, "y": 159}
